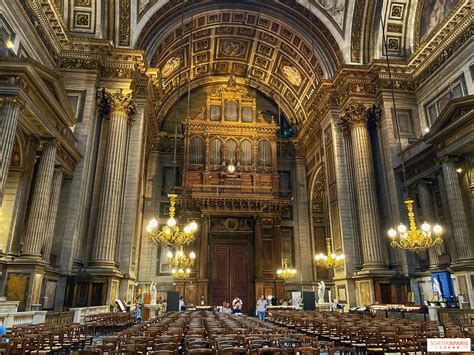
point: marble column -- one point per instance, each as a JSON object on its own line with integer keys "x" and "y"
{"x": 52, "y": 213}
{"x": 277, "y": 245}
{"x": 40, "y": 202}
{"x": 356, "y": 118}
{"x": 9, "y": 117}
{"x": 426, "y": 203}
{"x": 118, "y": 105}
{"x": 460, "y": 227}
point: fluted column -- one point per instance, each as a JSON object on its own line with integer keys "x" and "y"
{"x": 40, "y": 201}
{"x": 356, "y": 118}
{"x": 352, "y": 195}
{"x": 118, "y": 106}
{"x": 459, "y": 223}
{"x": 9, "y": 116}
{"x": 426, "y": 203}
{"x": 52, "y": 213}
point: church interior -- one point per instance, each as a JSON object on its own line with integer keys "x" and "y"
{"x": 318, "y": 153}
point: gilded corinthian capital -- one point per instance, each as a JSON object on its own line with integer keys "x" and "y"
{"x": 359, "y": 114}
{"x": 115, "y": 100}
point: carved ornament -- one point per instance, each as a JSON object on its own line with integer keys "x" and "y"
{"x": 115, "y": 100}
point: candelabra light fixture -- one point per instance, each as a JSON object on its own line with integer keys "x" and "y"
{"x": 286, "y": 272}
{"x": 329, "y": 260}
{"x": 171, "y": 235}
{"x": 180, "y": 273}
{"x": 414, "y": 239}
{"x": 180, "y": 260}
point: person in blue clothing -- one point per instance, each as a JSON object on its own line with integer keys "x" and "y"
{"x": 3, "y": 333}
{"x": 261, "y": 307}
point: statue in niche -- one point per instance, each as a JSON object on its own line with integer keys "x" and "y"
{"x": 321, "y": 289}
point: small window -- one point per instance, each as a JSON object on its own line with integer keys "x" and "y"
{"x": 231, "y": 111}
{"x": 216, "y": 113}
{"x": 247, "y": 114}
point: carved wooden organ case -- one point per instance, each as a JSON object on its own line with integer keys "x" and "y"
{"x": 231, "y": 152}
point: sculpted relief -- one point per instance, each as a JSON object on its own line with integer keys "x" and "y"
{"x": 292, "y": 75}
{"x": 335, "y": 8}
{"x": 232, "y": 48}
{"x": 170, "y": 66}
{"x": 433, "y": 13}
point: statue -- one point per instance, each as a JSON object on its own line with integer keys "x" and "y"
{"x": 437, "y": 294}
{"x": 153, "y": 293}
{"x": 321, "y": 289}
{"x": 231, "y": 83}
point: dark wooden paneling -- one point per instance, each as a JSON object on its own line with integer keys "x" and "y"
{"x": 230, "y": 273}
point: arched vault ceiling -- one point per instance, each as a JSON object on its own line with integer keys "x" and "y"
{"x": 273, "y": 48}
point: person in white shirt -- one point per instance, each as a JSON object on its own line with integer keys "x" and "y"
{"x": 261, "y": 307}
{"x": 182, "y": 305}
{"x": 236, "y": 302}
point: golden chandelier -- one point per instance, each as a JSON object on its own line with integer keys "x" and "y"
{"x": 415, "y": 239}
{"x": 170, "y": 235}
{"x": 180, "y": 260}
{"x": 330, "y": 260}
{"x": 286, "y": 273}
{"x": 180, "y": 273}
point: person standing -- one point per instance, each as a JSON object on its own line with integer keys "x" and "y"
{"x": 182, "y": 305}
{"x": 261, "y": 307}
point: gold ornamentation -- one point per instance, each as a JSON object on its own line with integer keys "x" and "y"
{"x": 13, "y": 100}
{"x": 292, "y": 75}
{"x": 358, "y": 17}
{"x": 286, "y": 272}
{"x": 171, "y": 235}
{"x": 329, "y": 260}
{"x": 414, "y": 239}
{"x": 124, "y": 23}
{"x": 180, "y": 260}
{"x": 357, "y": 115}
{"x": 170, "y": 66}
{"x": 116, "y": 100}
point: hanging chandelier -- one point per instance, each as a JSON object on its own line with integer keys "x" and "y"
{"x": 412, "y": 238}
{"x": 171, "y": 235}
{"x": 285, "y": 272}
{"x": 180, "y": 260}
{"x": 329, "y": 260}
{"x": 180, "y": 273}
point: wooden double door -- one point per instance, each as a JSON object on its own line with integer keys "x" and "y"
{"x": 231, "y": 273}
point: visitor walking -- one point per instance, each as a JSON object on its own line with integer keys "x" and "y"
{"x": 261, "y": 307}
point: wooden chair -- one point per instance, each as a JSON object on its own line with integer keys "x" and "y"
{"x": 85, "y": 352}
{"x": 341, "y": 350}
{"x": 232, "y": 351}
{"x": 270, "y": 350}
{"x": 200, "y": 351}
{"x": 306, "y": 351}
{"x": 5, "y": 348}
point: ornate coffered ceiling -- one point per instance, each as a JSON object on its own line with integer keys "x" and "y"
{"x": 281, "y": 56}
